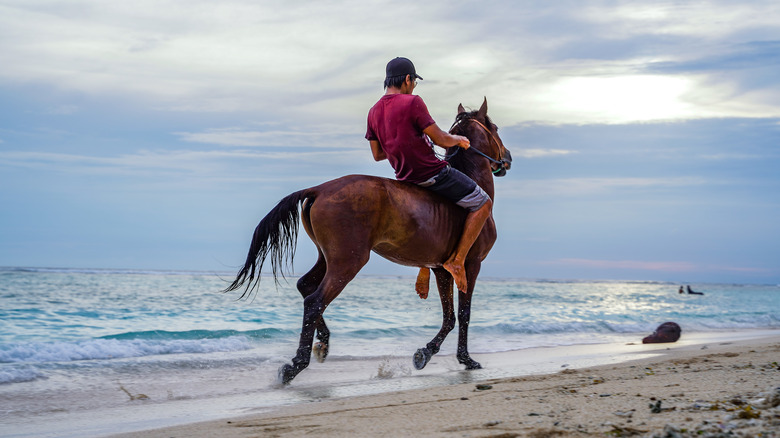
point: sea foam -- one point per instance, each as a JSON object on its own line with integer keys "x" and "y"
{"x": 103, "y": 349}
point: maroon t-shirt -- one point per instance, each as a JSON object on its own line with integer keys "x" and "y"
{"x": 397, "y": 121}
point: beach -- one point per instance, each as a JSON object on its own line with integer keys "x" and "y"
{"x": 703, "y": 387}
{"x": 91, "y": 353}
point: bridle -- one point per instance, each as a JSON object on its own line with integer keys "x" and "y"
{"x": 503, "y": 164}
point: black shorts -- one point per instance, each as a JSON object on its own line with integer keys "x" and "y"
{"x": 457, "y": 187}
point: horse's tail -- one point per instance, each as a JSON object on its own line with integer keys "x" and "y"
{"x": 274, "y": 238}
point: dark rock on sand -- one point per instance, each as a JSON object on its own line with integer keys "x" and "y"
{"x": 666, "y": 332}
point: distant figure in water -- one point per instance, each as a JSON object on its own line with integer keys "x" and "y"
{"x": 681, "y": 290}
{"x": 666, "y": 332}
{"x": 690, "y": 292}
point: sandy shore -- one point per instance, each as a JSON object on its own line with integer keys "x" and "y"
{"x": 691, "y": 390}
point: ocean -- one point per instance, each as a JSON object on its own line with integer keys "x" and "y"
{"x": 87, "y": 352}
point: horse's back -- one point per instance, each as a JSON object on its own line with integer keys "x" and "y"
{"x": 400, "y": 221}
{"x": 355, "y": 190}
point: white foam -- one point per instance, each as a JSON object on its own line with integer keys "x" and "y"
{"x": 114, "y": 348}
{"x": 20, "y": 374}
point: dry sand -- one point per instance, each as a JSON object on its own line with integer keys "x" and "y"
{"x": 713, "y": 390}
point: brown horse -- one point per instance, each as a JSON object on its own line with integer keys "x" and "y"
{"x": 349, "y": 217}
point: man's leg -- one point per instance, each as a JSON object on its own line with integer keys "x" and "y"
{"x": 475, "y": 220}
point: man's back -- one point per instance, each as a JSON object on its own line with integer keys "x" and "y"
{"x": 398, "y": 121}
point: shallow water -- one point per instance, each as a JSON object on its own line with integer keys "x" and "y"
{"x": 80, "y": 345}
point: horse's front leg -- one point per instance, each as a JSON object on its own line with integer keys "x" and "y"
{"x": 464, "y": 317}
{"x": 444, "y": 284}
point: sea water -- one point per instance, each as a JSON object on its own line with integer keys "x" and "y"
{"x": 89, "y": 352}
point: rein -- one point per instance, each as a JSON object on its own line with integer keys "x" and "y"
{"x": 501, "y": 162}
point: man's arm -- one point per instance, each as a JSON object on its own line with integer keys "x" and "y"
{"x": 377, "y": 151}
{"x": 445, "y": 139}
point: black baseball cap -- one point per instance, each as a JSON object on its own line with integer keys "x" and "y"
{"x": 400, "y": 67}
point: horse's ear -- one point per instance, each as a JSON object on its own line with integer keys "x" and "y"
{"x": 482, "y": 110}
{"x": 461, "y": 109}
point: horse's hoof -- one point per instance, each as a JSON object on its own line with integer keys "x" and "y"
{"x": 286, "y": 374}
{"x": 320, "y": 351}
{"x": 421, "y": 358}
{"x": 471, "y": 364}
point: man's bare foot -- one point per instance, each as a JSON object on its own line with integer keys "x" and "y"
{"x": 458, "y": 274}
{"x": 423, "y": 283}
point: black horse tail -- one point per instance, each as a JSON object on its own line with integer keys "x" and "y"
{"x": 275, "y": 238}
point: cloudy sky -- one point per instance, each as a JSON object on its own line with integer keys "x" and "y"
{"x": 156, "y": 134}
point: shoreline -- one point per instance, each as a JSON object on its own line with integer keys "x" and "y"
{"x": 701, "y": 381}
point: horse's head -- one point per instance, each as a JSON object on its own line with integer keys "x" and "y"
{"x": 483, "y": 135}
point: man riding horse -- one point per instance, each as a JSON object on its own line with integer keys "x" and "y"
{"x": 397, "y": 126}
{"x": 351, "y": 217}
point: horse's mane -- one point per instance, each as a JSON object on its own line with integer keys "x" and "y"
{"x": 459, "y": 159}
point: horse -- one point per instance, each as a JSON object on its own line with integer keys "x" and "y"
{"x": 349, "y": 217}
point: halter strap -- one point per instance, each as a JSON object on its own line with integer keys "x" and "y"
{"x": 500, "y": 160}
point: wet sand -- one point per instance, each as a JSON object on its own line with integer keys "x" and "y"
{"x": 683, "y": 389}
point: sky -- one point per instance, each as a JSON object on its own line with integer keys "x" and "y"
{"x": 157, "y": 134}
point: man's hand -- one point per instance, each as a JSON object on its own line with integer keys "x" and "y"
{"x": 463, "y": 141}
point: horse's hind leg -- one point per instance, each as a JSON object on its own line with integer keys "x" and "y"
{"x": 444, "y": 283}
{"x": 307, "y": 285}
{"x": 464, "y": 317}
{"x": 337, "y": 275}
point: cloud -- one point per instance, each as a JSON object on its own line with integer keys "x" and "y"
{"x": 164, "y": 164}
{"x": 62, "y": 110}
{"x": 314, "y": 137}
{"x": 542, "y": 153}
{"x": 556, "y": 188}
{"x": 735, "y": 156}
{"x": 618, "y": 99}
{"x": 626, "y": 264}
{"x": 566, "y": 62}
{"x": 748, "y": 55}
{"x": 128, "y": 163}
{"x": 660, "y": 266}
{"x": 216, "y": 57}
{"x": 606, "y": 101}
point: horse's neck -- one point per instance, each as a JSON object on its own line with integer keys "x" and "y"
{"x": 485, "y": 180}
{"x": 487, "y": 184}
